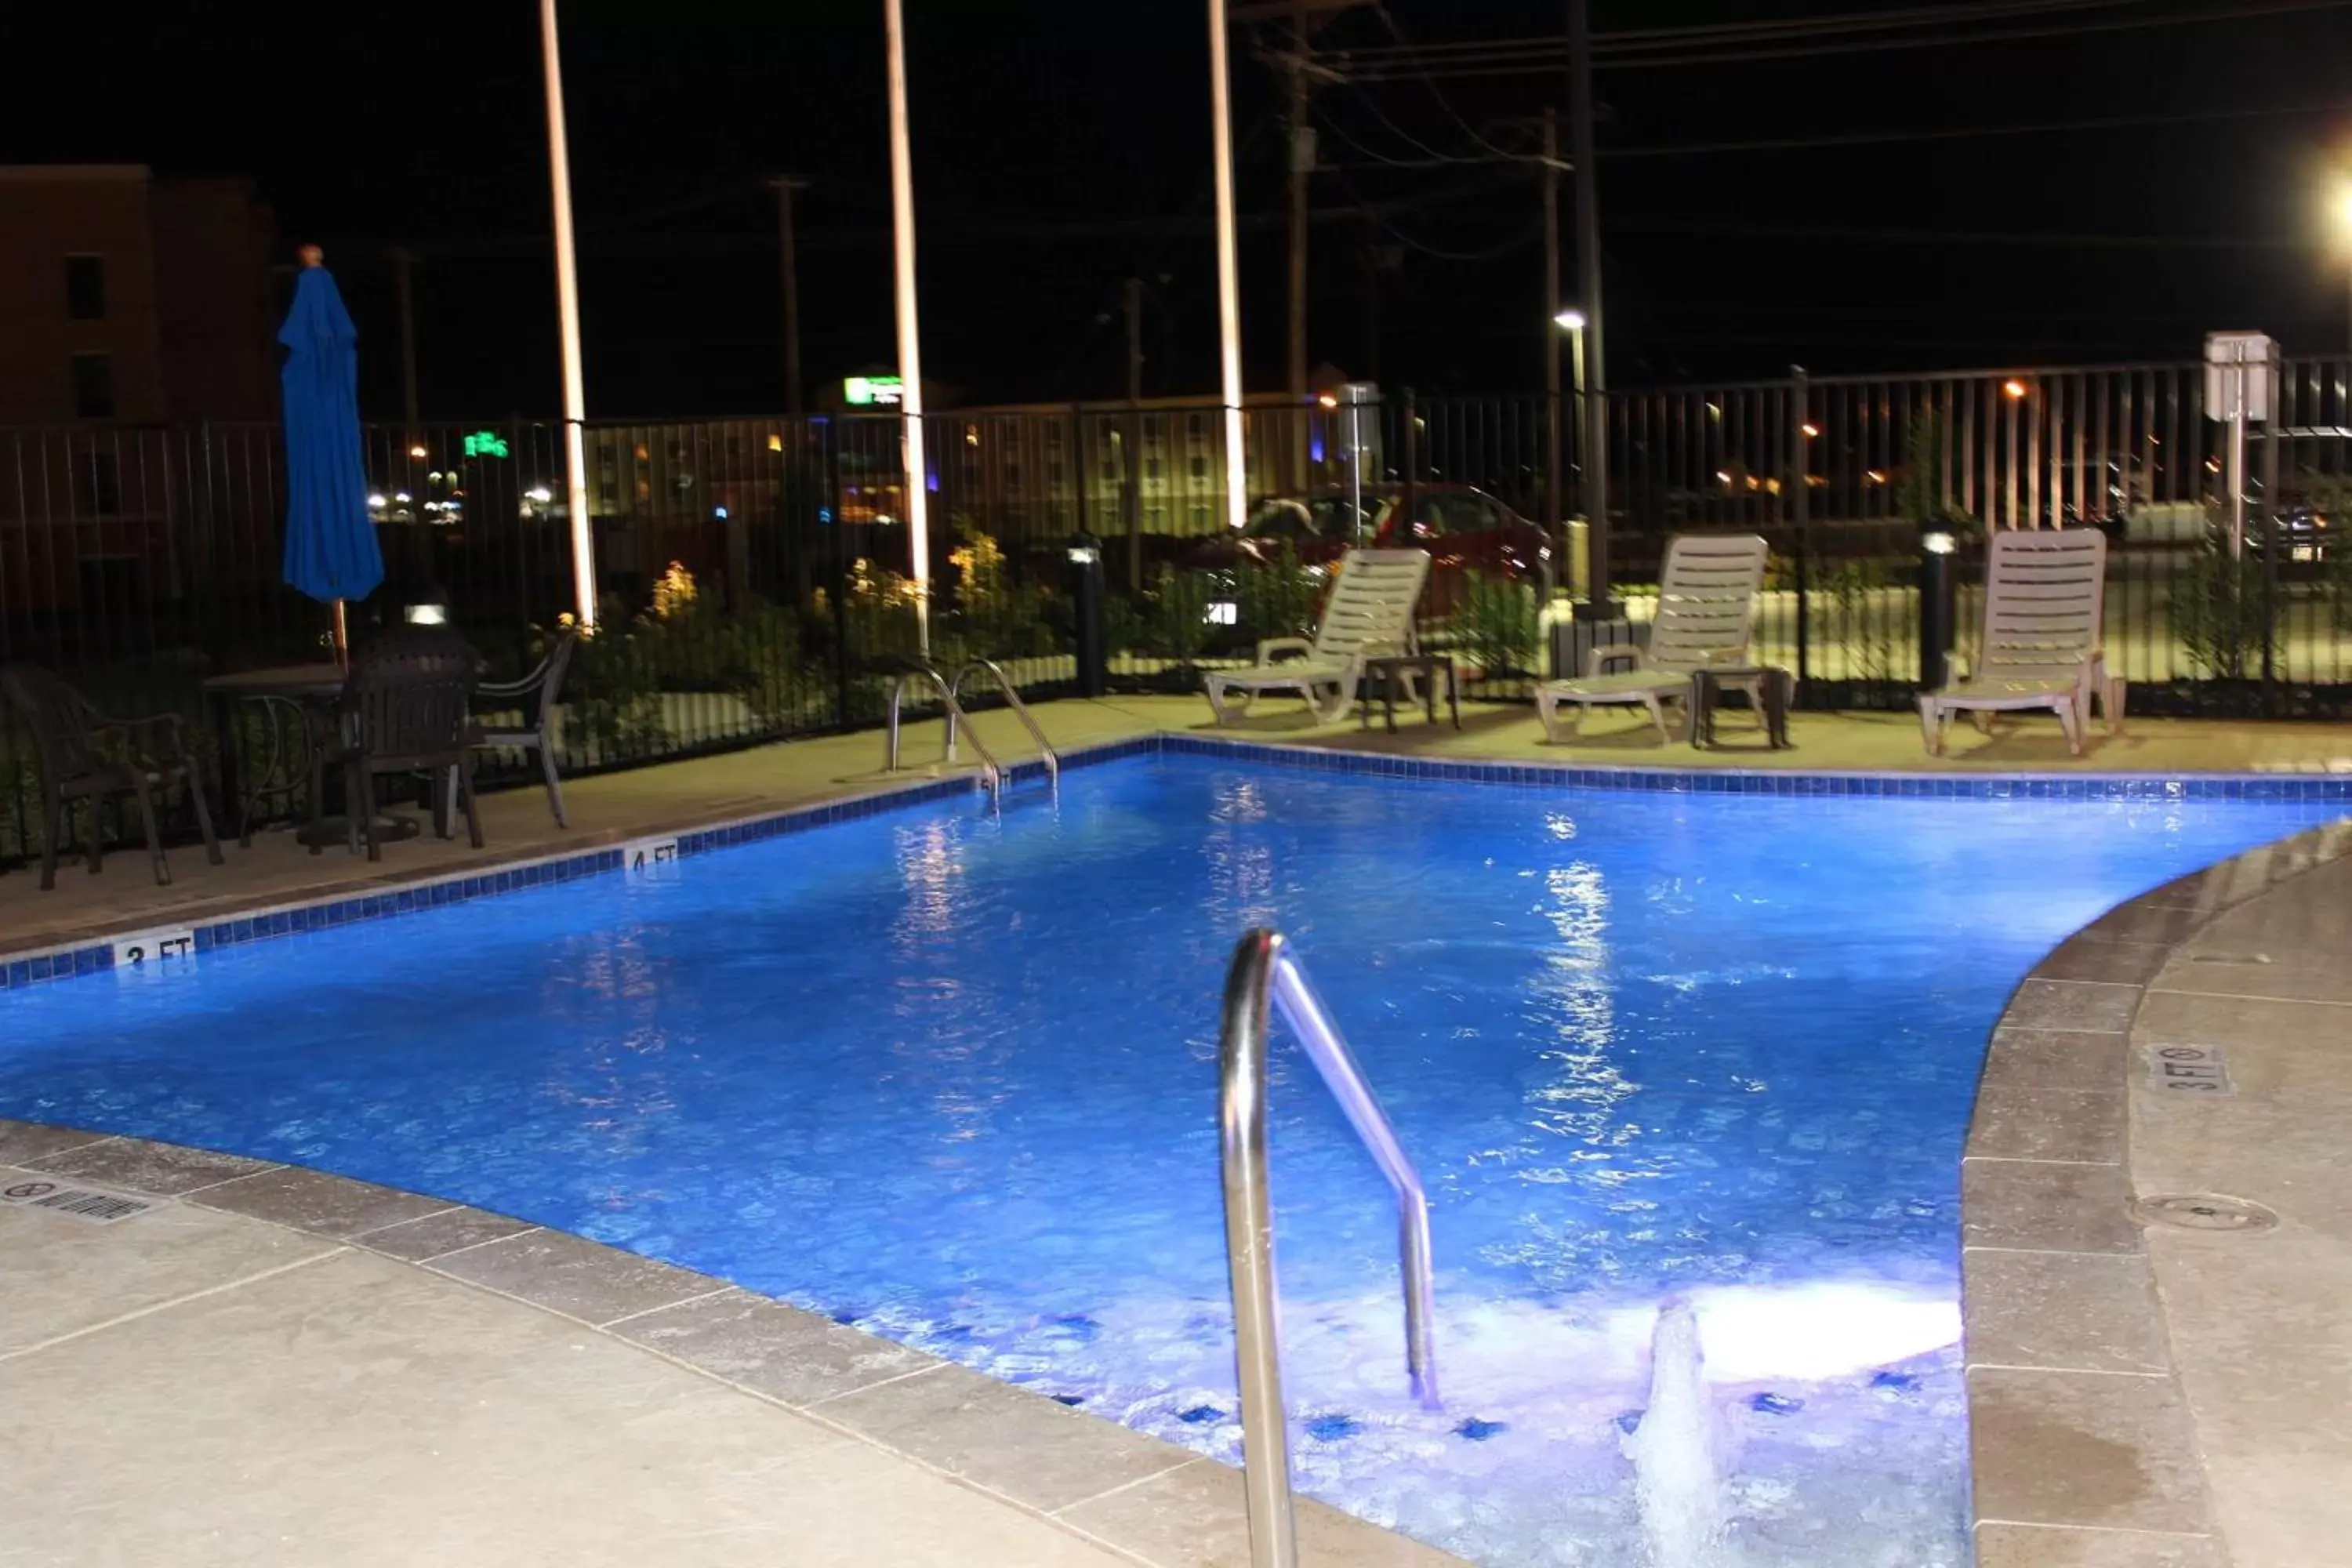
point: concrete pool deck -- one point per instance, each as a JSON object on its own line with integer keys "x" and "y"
{"x": 2158, "y": 1238}
{"x": 282, "y": 1366}
{"x": 277, "y": 1366}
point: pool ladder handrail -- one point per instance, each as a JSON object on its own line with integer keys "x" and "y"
{"x": 924, "y": 670}
{"x": 1266, "y": 974}
{"x": 1004, "y": 686}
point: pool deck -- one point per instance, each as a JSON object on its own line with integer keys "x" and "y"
{"x": 277, "y": 1366}
{"x": 2141, "y": 1391}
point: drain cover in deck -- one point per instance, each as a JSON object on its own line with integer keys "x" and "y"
{"x": 2203, "y": 1211}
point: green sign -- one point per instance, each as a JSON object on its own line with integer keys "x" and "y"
{"x": 485, "y": 444}
{"x": 864, "y": 391}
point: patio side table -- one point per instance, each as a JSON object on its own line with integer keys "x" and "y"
{"x": 1389, "y": 669}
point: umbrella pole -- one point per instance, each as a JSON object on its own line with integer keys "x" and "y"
{"x": 342, "y": 639}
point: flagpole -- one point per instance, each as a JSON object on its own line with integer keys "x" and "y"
{"x": 567, "y": 295}
{"x": 911, "y": 348}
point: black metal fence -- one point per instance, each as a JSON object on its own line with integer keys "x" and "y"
{"x": 752, "y": 574}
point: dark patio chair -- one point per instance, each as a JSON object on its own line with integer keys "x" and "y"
{"x": 85, "y": 756}
{"x": 403, "y": 710}
{"x": 536, "y": 695}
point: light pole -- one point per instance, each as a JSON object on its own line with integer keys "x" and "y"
{"x": 1229, "y": 299}
{"x": 567, "y": 300}
{"x": 911, "y": 350}
{"x": 1572, "y": 323}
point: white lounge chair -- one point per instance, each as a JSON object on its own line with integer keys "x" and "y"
{"x": 2045, "y": 598}
{"x": 1707, "y": 603}
{"x": 1369, "y": 613}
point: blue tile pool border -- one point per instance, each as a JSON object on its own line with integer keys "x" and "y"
{"x": 66, "y": 961}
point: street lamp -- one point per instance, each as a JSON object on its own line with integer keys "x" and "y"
{"x": 1572, "y": 323}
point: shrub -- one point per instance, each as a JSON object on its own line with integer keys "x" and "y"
{"x": 1497, "y": 624}
{"x": 2218, "y": 609}
{"x": 1277, "y": 598}
{"x": 1176, "y": 614}
{"x": 1855, "y": 589}
{"x": 994, "y": 615}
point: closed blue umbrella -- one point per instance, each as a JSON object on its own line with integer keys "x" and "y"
{"x": 331, "y": 547}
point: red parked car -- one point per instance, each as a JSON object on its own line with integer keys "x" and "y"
{"x": 1464, "y": 529}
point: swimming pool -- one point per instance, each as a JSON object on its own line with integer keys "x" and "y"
{"x": 950, "y": 1077}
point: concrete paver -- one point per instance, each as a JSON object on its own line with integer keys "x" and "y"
{"x": 354, "y": 1410}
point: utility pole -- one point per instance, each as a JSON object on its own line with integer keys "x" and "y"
{"x": 402, "y": 257}
{"x": 1595, "y": 431}
{"x": 784, "y": 185}
{"x": 1131, "y": 444}
{"x": 1554, "y": 456}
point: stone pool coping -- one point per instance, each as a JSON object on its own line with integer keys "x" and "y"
{"x": 2072, "y": 1375}
{"x": 1157, "y": 1503}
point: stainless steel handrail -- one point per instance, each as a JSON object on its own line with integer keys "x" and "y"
{"x": 1263, "y": 971}
{"x": 1012, "y": 700}
{"x": 991, "y": 774}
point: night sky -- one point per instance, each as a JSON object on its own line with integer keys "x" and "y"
{"x": 1060, "y": 145}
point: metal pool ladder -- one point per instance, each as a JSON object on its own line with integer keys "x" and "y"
{"x": 1004, "y": 686}
{"x": 1263, "y": 971}
{"x": 950, "y": 694}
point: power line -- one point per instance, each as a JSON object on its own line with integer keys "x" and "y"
{"x": 1388, "y": 19}
{"x": 1374, "y": 212}
{"x": 2024, "y": 238}
{"x": 1962, "y": 132}
{"x": 1520, "y": 56}
{"x": 1855, "y": 21}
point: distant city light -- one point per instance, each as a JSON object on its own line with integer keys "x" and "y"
{"x": 2014, "y": 389}
{"x": 719, "y": 512}
{"x": 775, "y": 443}
{"x": 375, "y": 499}
{"x": 1811, "y": 430}
{"x": 1570, "y": 321}
{"x": 1328, "y": 400}
{"x": 403, "y": 497}
{"x": 418, "y": 451}
{"x": 540, "y": 494}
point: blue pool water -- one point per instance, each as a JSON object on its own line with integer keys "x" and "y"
{"x": 952, "y": 1077}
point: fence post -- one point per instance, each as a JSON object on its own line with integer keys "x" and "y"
{"x": 830, "y": 462}
{"x": 2271, "y": 539}
{"x": 1800, "y": 466}
{"x": 1411, "y": 457}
